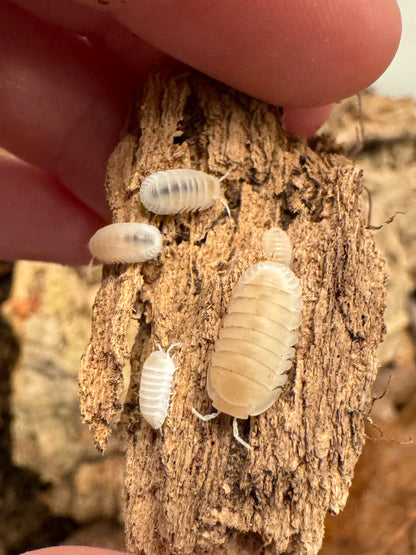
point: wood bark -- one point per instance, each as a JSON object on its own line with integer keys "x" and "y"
{"x": 192, "y": 488}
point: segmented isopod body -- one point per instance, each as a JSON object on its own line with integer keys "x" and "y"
{"x": 252, "y": 354}
{"x": 126, "y": 242}
{"x": 276, "y": 245}
{"x": 180, "y": 190}
{"x": 155, "y": 387}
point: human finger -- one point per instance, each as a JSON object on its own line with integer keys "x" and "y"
{"x": 63, "y": 104}
{"x": 41, "y": 219}
{"x": 305, "y": 121}
{"x": 102, "y": 30}
{"x": 296, "y": 55}
{"x": 291, "y": 54}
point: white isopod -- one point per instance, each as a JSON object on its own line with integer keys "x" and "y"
{"x": 181, "y": 190}
{"x": 252, "y": 355}
{"x": 155, "y": 387}
{"x": 276, "y": 245}
{"x": 126, "y": 242}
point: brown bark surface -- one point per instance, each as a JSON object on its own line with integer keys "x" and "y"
{"x": 192, "y": 488}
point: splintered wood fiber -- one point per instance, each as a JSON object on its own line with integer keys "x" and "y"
{"x": 191, "y": 488}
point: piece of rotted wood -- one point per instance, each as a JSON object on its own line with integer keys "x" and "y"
{"x": 192, "y": 488}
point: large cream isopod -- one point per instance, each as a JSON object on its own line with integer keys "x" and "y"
{"x": 252, "y": 354}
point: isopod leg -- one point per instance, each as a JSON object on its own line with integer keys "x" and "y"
{"x": 226, "y": 174}
{"x": 237, "y": 436}
{"x": 226, "y": 206}
{"x": 172, "y": 346}
{"x": 204, "y": 417}
{"x": 221, "y": 198}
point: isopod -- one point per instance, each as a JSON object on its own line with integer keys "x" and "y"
{"x": 156, "y": 386}
{"x": 253, "y": 352}
{"x": 276, "y": 245}
{"x": 181, "y": 190}
{"x": 126, "y": 242}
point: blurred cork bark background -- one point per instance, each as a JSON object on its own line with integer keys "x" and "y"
{"x": 192, "y": 488}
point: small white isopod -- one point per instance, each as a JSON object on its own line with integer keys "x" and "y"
{"x": 181, "y": 190}
{"x": 156, "y": 386}
{"x": 252, "y": 354}
{"x": 126, "y": 242}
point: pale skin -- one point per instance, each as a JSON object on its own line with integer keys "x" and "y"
{"x": 64, "y": 100}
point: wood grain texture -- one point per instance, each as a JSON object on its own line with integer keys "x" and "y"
{"x": 191, "y": 488}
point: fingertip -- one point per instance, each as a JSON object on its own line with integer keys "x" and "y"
{"x": 287, "y": 53}
{"x": 40, "y": 219}
{"x": 64, "y": 102}
{"x": 305, "y": 121}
